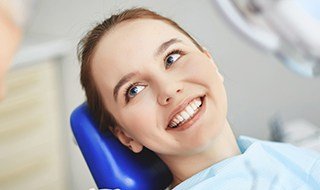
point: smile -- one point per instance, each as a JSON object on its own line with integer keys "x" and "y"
{"x": 187, "y": 116}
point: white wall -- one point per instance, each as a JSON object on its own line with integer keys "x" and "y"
{"x": 258, "y": 85}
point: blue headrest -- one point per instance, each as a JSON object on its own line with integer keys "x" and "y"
{"x": 113, "y": 165}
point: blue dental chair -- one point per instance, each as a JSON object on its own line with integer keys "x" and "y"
{"x": 112, "y": 165}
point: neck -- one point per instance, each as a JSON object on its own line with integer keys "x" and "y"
{"x": 222, "y": 147}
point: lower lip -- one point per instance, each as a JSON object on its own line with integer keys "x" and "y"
{"x": 192, "y": 121}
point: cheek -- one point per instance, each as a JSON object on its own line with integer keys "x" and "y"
{"x": 200, "y": 70}
{"x": 140, "y": 119}
{"x": 205, "y": 73}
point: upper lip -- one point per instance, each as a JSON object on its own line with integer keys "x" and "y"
{"x": 181, "y": 107}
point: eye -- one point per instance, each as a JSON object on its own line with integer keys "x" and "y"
{"x": 172, "y": 57}
{"x": 133, "y": 90}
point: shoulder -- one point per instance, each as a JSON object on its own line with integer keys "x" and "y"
{"x": 283, "y": 152}
{"x": 245, "y": 142}
{"x": 290, "y": 150}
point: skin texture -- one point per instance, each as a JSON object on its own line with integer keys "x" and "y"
{"x": 10, "y": 35}
{"x": 130, "y": 47}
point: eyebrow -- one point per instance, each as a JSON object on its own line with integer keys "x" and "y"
{"x": 121, "y": 82}
{"x": 161, "y": 49}
{"x": 164, "y": 46}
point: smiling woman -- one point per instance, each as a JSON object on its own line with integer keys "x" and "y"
{"x": 154, "y": 86}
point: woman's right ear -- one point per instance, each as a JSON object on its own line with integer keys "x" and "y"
{"x": 123, "y": 138}
{"x": 126, "y": 140}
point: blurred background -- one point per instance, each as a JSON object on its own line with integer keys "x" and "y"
{"x": 37, "y": 148}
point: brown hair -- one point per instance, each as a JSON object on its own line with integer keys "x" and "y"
{"x": 86, "y": 49}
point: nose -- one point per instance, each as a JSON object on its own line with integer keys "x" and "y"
{"x": 169, "y": 92}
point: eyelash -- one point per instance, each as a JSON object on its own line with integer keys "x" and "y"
{"x": 175, "y": 51}
{"x": 126, "y": 92}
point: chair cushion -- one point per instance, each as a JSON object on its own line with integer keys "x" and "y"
{"x": 113, "y": 165}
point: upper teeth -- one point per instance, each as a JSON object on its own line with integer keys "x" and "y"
{"x": 186, "y": 114}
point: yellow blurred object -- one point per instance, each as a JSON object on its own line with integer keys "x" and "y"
{"x": 32, "y": 155}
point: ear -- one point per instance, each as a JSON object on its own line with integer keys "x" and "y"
{"x": 207, "y": 53}
{"x": 126, "y": 140}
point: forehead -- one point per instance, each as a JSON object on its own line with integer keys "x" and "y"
{"x": 129, "y": 44}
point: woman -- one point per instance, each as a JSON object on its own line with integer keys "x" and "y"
{"x": 154, "y": 86}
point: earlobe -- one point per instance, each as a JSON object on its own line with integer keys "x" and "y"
{"x": 136, "y": 147}
{"x": 126, "y": 140}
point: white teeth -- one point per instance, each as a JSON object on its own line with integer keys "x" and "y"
{"x": 172, "y": 125}
{"x": 189, "y": 110}
{"x": 185, "y": 115}
{"x": 198, "y": 103}
{"x": 194, "y": 107}
{"x": 180, "y": 118}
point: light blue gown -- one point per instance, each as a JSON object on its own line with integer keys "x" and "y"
{"x": 263, "y": 165}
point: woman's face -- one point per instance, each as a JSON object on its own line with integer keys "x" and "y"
{"x": 164, "y": 92}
